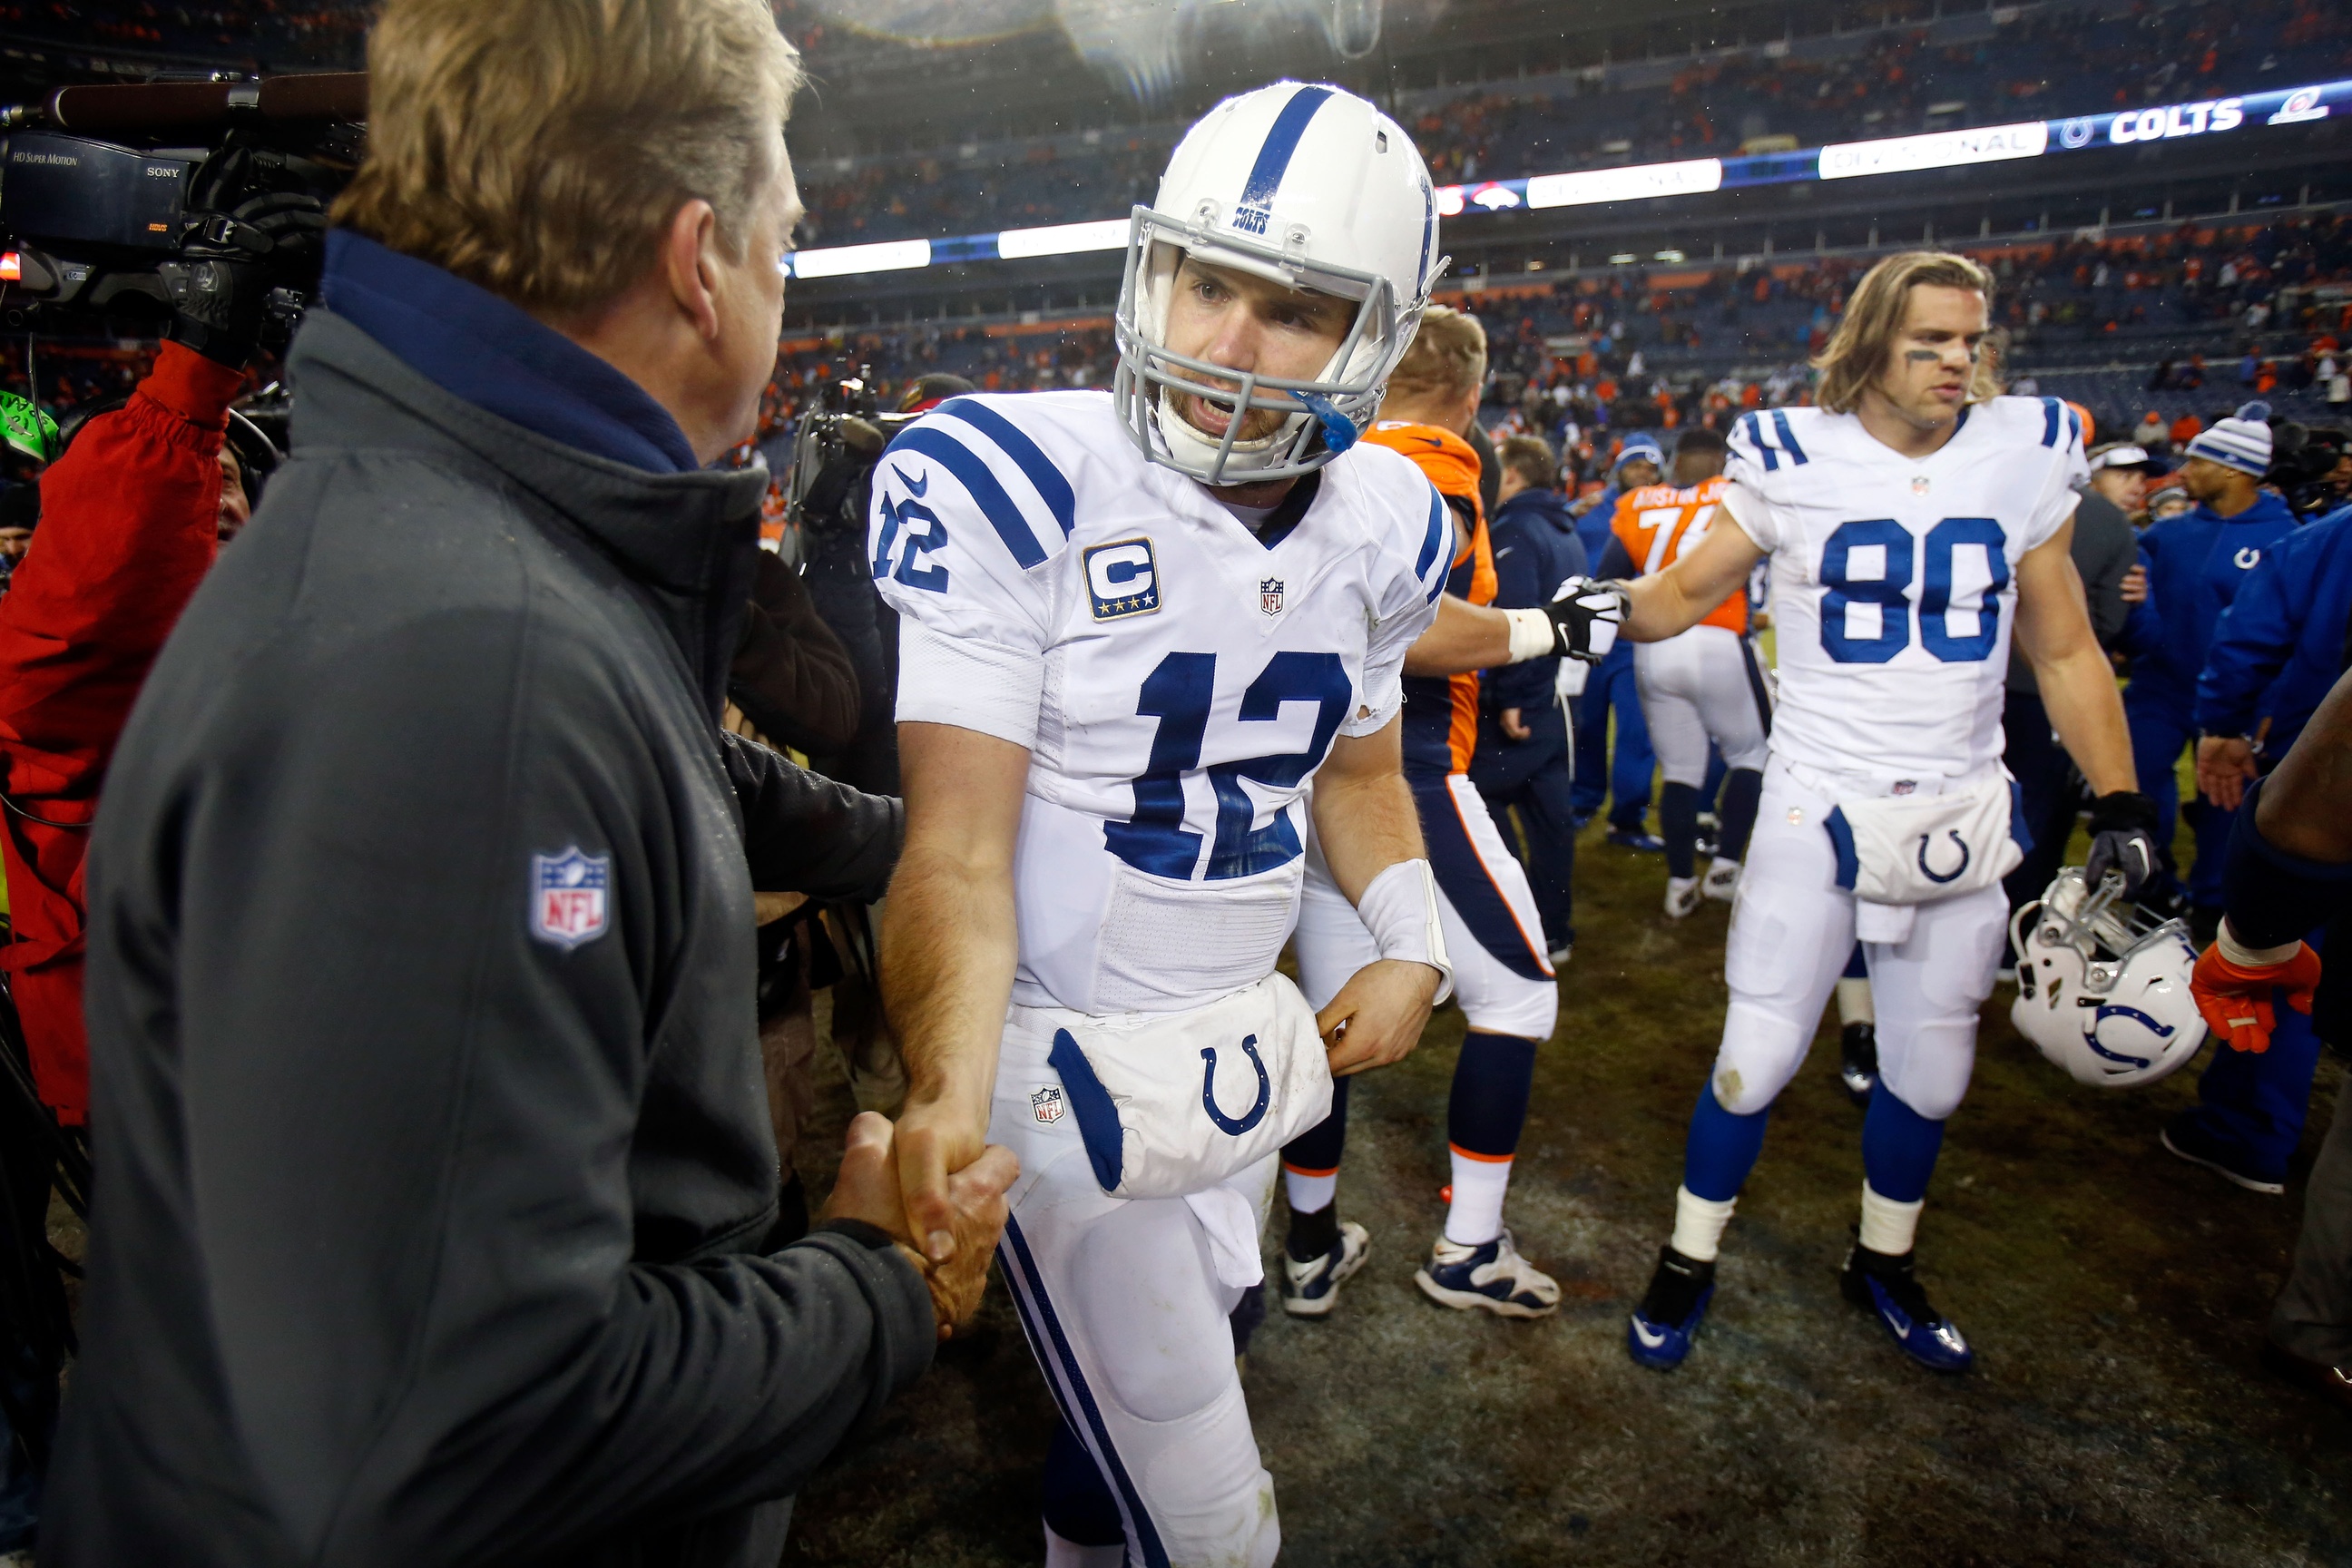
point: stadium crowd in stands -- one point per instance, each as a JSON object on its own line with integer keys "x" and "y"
{"x": 2199, "y": 318}
{"x": 1758, "y": 97}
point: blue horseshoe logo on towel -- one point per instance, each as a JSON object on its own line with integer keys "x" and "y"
{"x": 1257, "y": 1113}
{"x": 1957, "y": 871}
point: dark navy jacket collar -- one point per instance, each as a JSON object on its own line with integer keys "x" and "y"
{"x": 497, "y": 357}
{"x": 2269, "y": 506}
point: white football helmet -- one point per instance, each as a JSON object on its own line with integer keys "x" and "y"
{"x": 2103, "y": 985}
{"x": 1310, "y": 187}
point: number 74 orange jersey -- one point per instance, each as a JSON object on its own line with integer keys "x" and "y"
{"x": 1658, "y": 525}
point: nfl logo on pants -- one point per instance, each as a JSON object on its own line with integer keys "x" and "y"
{"x": 569, "y": 897}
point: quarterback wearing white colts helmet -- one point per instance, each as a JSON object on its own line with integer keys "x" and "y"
{"x": 1134, "y": 628}
{"x": 1909, "y": 520}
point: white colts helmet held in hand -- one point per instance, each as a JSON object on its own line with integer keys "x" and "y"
{"x": 2102, "y": 985}
{"x": 1307, "y": 186}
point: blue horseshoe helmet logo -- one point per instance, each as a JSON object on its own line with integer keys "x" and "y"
{"x": 1957, "y": 871}
{"x": 2117, "y": 1010}
{"x": 1235, "y": 1125}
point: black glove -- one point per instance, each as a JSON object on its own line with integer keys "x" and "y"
{"x": 2123, "y": 840}
{"x": 1585, "y": 618}
{"x": 228, "y": 264}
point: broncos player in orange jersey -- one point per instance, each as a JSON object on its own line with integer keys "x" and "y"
{"x": 1494, "y": 936}
{"x": 1703, "y": 685}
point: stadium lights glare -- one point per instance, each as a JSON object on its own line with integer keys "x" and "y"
{"x": 1937, "y": 149}
{"x": 843, "y": 260}
{"x": 1694, "y": 176}
{"x": 1062, "y": 239}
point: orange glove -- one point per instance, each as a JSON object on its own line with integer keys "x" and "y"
{"x": 2236, "y": 998}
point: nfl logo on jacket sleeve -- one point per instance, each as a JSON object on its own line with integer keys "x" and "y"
{"x": 569, "y": 897}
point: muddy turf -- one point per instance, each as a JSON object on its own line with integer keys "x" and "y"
{"x": 2114, "y": 1295}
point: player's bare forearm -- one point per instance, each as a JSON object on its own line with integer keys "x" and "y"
{"x": 1365, "y": 821}
{"x": 947, "y": 950}
{"x": 1364, "y": 816}
{"x": 1667, "y": 603}
{"x": 2078, "y": 683}
{"x": 1464, "y": 638}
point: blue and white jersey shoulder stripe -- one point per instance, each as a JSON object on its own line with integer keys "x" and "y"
{"x": 1433, "y": 561}
{"x": 995, "y": 458}
{"x": 1767, "y": 438}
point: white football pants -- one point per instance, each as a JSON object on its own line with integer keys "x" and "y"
{"x": 1494, "y": 937}
{"x": 1792, "y": 933}
{"x": 1700, "y": 686}
{"x": 1128, "y": 1318}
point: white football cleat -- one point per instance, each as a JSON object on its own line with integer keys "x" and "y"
{"x": 1311, "y": 1290}
{"x": 1682, "y": 895}
{"x": 1493, "y": 1278}
{"x": 1722, "y": 881}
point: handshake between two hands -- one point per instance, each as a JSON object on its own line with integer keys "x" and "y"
{"x": 961, "y": 1211}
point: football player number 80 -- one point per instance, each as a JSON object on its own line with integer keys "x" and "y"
{"x": 1179, "y": 692}
{"x": 1890, "y": 589}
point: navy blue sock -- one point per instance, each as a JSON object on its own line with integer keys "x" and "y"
{"x": 1077, "y": 1505}
{"x": 1898, "y": 1147}
{"x": 1740, "y": 793}
{"x": 1856, "y": 967}
{"x": 1490, "y": 1104}
{"x": 1678, "y": 825}
{"x": 1722, "y": 1147}
{"x": 1318, "y": 1148}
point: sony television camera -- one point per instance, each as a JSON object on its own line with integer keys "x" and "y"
{"x": 101, "y": 186}
{"x": 834, "y": 451}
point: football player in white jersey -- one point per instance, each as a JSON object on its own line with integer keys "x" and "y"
{"x": 1909, "y": 520}
{"x": 1133, "y": 628}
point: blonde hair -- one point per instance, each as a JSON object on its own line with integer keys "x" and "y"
{"x": 539, "y": 148}
{"x": 1856, "y": 352}
{"x": 1448, "y": 357}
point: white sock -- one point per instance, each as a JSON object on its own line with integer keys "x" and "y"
{"x": 1722, "y": 863}
{"x": 1854, "y": 1002}
{"x": 1476, "y": 1217}
{"x": 1888, "y": 1226}
{"x": 1698, "y": 1224}
{"x": 1309, "y": 1194}
{"x": 1061, "y": 1553}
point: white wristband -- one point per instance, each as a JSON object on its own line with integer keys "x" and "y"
{"x": 1400, "y": 909}
{"x": 1531, "y": 634}
{"x": 2251, "y": 957}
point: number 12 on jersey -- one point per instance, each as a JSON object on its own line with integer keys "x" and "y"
{"x": 1179, "y": 692}
{"x": 1890, "y": 589}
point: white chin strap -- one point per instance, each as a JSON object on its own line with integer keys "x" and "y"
{"x": 1187, "y": 445}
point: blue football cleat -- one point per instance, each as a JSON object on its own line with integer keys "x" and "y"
{"x": 1492, "y": 1278}
{"x": 1664, "y": 1325}
{"x": 1639, "y": 839}
{"x": 1891, "y": 1290}
{"x": 1311, "y": 1290}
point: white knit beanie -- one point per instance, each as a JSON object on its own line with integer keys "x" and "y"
{"x": 2242, "y": 442}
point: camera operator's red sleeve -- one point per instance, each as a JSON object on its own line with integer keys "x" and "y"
{"x": 128, "y": 529}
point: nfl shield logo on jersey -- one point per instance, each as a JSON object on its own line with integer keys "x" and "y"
{"x": 1269, "y": 596}
{"x": 569, "y": 897}
{"x": 1047, "y": 1103}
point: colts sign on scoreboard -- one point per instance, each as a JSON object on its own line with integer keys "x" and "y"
{"x": 569, "y": 897}
{"x": 1122, "y": 579}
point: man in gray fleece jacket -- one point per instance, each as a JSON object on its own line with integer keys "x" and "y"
{"x": 434, "y": 1172}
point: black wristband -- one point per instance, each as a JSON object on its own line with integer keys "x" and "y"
{"x": 2121, "y": 811}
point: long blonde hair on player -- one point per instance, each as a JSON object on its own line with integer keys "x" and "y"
{"x": 1856, "y": 352}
